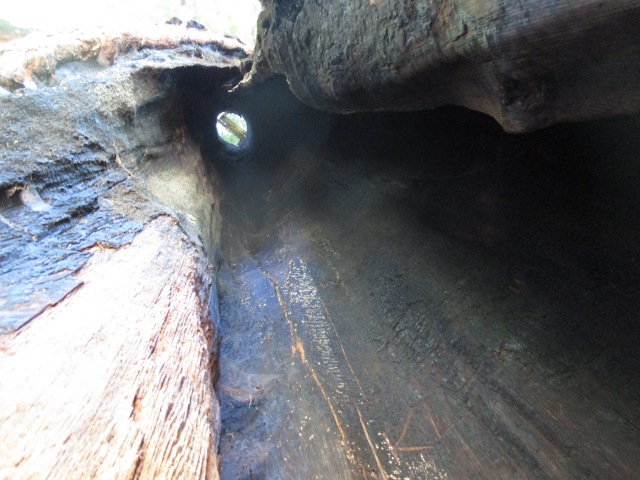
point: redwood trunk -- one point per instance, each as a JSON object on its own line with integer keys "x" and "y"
{"x": 528, "y": 64}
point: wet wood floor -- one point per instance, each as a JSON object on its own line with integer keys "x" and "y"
{"x": 380, "y": 320}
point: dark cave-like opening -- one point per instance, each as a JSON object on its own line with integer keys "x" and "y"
{"x": 437, "y": 272}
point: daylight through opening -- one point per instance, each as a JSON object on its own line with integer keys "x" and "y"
{"x": 232, "y": 128}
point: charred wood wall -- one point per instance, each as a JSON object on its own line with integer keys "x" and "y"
{"x": 528, "y": 64}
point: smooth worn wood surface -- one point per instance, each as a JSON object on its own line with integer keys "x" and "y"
{"x": 115, "y": 381}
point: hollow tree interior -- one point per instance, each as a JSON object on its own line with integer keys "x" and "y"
{"x": 304, "y": 262}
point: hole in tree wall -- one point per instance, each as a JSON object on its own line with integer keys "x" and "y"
{"x": 232, "y": 130}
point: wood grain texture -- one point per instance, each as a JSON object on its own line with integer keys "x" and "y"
{"x": 116, "y": 380}
{"x": 423, "y": 296}
{"x": 528, "y": 64}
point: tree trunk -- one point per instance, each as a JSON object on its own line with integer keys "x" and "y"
{"x": 527, "y": 64}
{"x": 109, "y": 219}
{"x": 115, "y": 380}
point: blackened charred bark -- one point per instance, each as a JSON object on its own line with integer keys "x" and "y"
{"x": 528, "y": 64}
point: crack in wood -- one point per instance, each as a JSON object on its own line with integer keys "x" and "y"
{"x": 298, "y": 348}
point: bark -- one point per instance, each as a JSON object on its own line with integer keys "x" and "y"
{"x": 527, "y": 64}
{"x": 109, "y": 219}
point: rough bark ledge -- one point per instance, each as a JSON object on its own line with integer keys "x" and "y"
{"x": 528, "y": 64}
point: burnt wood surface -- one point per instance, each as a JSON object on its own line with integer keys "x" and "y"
{"x": 528, "y": 64}
{"x": 115, "y": 380}
{"x": 420, "y": 295}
